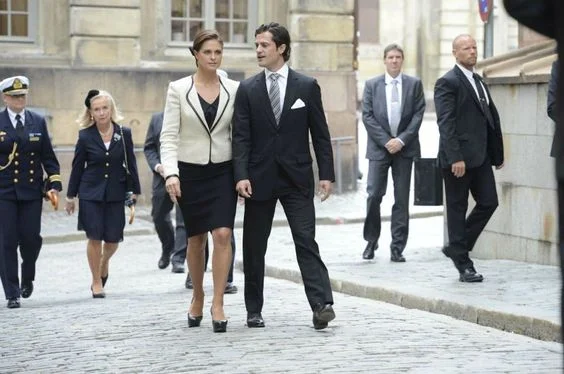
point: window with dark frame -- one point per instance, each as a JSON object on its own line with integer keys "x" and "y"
{"x": 229, "y": 17}
{"x": 14, "y": 19}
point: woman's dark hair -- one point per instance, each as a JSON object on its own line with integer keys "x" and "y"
{"x": 280, "y": 35}
{"x": 201, "y": 37}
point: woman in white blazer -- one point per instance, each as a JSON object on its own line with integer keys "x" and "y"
{"x": 196, "y": 156}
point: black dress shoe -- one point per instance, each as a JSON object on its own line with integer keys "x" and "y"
{"x": 255, "y": 320}
{"x": 397, "y": 256}
{"x": 13, "y": 303}
{"x": 322, "y": 315}
{"x": 368, "y": 253}
{"x": 27, "y": 289}
{"x": 219, "y": 325}
{"x": 188, "y": 284}
{"x": 230, "y": 288}
{"x": 469, "y": 275}
{"x": 164, "y": 261}
{"x": 177, "y": 268}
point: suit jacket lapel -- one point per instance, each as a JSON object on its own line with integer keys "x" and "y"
{"x": 194, "y": 103}
{"x": 224, "y": 98}
{"x": 290, "y": 96}
{"x": 468, "y": 86}
{"x": 381, "y": 98}
{"x": 260, "y": 86}
{"x": 406, "y": 86}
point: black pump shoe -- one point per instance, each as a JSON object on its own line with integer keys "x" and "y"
{"x": 219, "y": 325}
{"x": 194, "y": 321}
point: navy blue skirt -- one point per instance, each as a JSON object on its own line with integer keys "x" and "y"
{"x": 208, "y": 198}
{"x": 102, "y": 220}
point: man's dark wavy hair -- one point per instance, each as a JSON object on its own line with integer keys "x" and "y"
{"x": 280, "y": 35}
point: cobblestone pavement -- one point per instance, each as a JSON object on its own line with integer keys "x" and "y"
{"x": 141, "y": 327}
{"x": 514, "y": 296}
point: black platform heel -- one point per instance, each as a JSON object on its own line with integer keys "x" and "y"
{"x": 194, "y": 321}
{"x": 219, "y": 325}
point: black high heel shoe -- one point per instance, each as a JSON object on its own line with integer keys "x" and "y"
{"x": 219, "y": 325}
{"x": 104, "y": 280}
{"x": 194, "y": 321}
{"x": 100, "y": 295}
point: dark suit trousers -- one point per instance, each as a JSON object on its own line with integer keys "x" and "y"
{"x": 464, "y": 231}
{"x": 162, "y": 205}
{"x": 180, "y": 240}
{"x": 300, "y": 213}
{"x": 22, "y": 227}
{"x": 376, "y": 189}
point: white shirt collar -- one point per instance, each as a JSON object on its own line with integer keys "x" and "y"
{"x": 468, "y": 73}
{"x": 283, "y": 72}
{"x": 13, "y": 114}
{"x": 388, "y": 78}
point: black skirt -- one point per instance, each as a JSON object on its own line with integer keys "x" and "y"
{"x": 208, "y": 198}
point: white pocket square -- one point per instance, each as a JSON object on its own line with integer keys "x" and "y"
{"x": 298, "y": 104}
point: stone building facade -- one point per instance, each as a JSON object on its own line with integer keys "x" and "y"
{"x": 133, "y": 48}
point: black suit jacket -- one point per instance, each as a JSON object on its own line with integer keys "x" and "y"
{"x": 375, "y": 117}
{"x": 547, "y": 18}
{"x": 551, "y": 100}
{"x": 152, "y": 150}
{"x": 465, "y": 132}
{"x": 259, "y": 146}
{"x": 97, "y": 173}
{"x": 22, "y": 179}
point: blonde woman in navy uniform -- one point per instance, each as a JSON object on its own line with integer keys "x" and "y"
{"x": 25, "y": 150}
{"x": 98, "y": 177}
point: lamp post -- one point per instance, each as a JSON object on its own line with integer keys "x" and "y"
{"x": 486, "y": 10}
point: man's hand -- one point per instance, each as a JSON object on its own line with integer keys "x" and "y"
{"x": 394, "y": 146}
{"x": 160, "y": 170}
{"x": 173, "y": 188}
{"x": 458, "y": 169}
{"x": 244, "y": 188}
{"x": 325, "y": 188}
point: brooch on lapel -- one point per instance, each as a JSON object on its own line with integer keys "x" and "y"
{"x": 117, "y": 137}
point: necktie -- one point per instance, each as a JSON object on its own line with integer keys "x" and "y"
{"x": 19, "y": 127}
{"x": 483, "y": 102}
{"x": 395, "y": 112}
{"x": 274, "y": 96}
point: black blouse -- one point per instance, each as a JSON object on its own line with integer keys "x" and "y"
{"x": 210, "y": 110}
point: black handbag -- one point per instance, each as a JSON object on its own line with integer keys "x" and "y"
{"x": 129, "y": 201}
{"x": 428, "y": 184}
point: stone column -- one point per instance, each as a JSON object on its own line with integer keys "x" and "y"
{"x": 322, "y": 34}
{"x": 105, "y": 32}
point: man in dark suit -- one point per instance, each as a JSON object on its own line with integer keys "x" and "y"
{"x": 470, "y": 143}
{"x": 393, "y": 105}
{"x": 25, "y": 150}
{"x": 275, "y": 112}
{"x": 174, "y": 241}
{"x": 547, "y": 18}
{"x": 172, "y": 245}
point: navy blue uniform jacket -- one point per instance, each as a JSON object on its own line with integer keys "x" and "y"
{"x": 23, "y": 178}
{"x": 98, "y": 174}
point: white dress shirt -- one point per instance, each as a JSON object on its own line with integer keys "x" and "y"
{"x": 388, "y": 79}
{"x": 282, "y": 82}
{"x": 13, "y": 114}
{"x": 470, "y": 75}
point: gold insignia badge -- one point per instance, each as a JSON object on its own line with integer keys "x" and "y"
{"x": 17, "y": 84}
{"x": 2, "y": 133}
{"x": 34, "y": 138}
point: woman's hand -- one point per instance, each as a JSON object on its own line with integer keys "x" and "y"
{"x": 173, "y": 188}
{"x": 69, "y": 206}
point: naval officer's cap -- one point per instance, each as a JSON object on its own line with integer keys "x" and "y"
{"x": 17, "y": 85}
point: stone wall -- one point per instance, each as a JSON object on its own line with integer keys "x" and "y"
{"x": 524, "y": 227}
